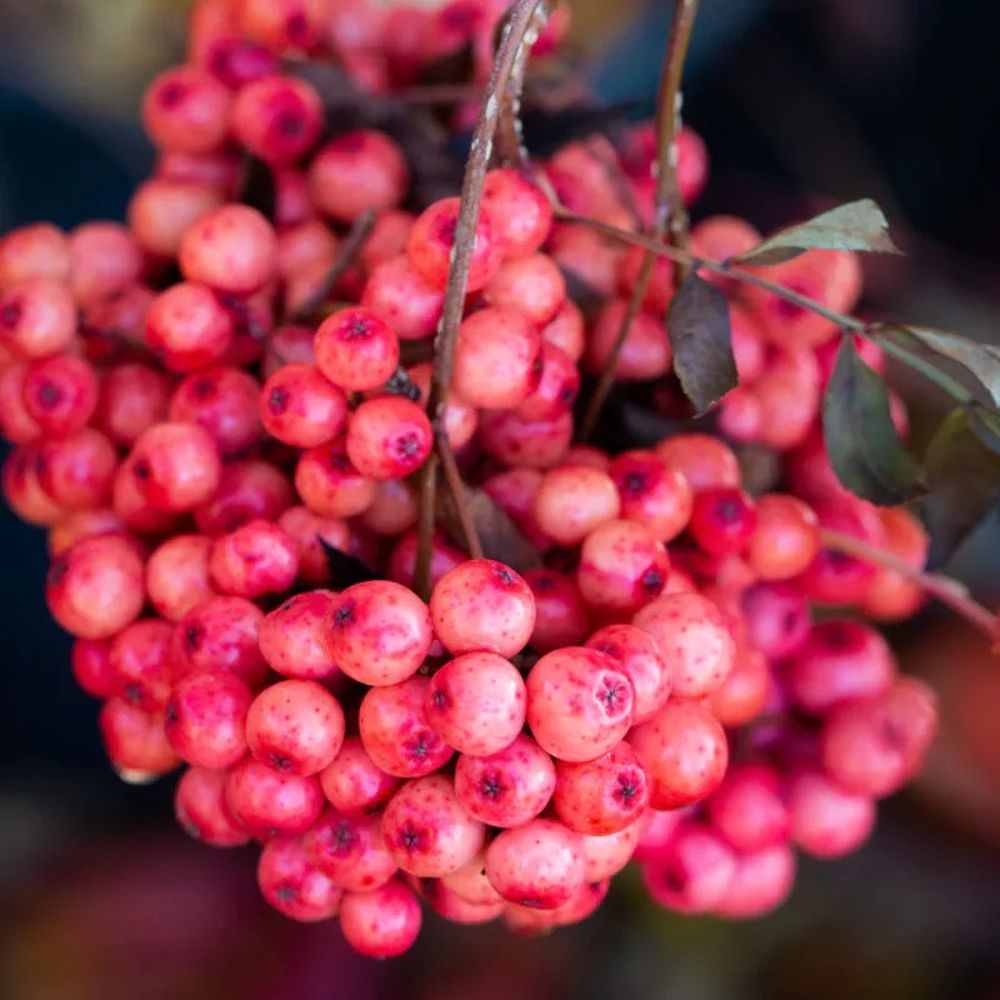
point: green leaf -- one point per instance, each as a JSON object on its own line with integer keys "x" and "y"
{"x": 858, "y": 225}
{"x": 700, "y": 336}
{"x": 964, "y": 479}
{"x": 985, "y": 424}
{"x": 980, "y": 360}
{"x": 862, "y": 442}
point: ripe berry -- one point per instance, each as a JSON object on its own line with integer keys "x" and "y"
{"x": 561, "y": 614}
{"x": 476, "y": 703}
{"x": 277, "y": 118}
{"x": 82, "y": 524}
{"x": 383, "y": 923}
{"x": 248, "y": 490}
{"x": 356, "y": 349}
{"x": 95, "y": 588}
{"x": 602, "y": 796}
{"x": 269, "y": 803}
{"x": 396, "y": 732}
{"x": 352, "y": 783}
{"x": 777, "y": 618}
{"x": 496, "y": 358}
{"x": 539, "y": 865}
{"x": 220, "y": 635}
{"x": 39, "y": 250}
{"x": 60, "y": 394}
{"x": 293, "y": 637}
{"x": 162, "y": 209}
{"x": 703, "y": 460}
{"x": 133, "y": 397}
{"x": 295, "y": 726}
{"x": 652, "y": 493}
{"x": 579, "y": 703}
{"x": 557, "y": 388}
{"x": 645, "y": 355}
{"x": 694, "y": 872}
{"x": 134, "y": 741}
{"x": 694, "y": 639}
{"x": 78, "y": 471}
{"x": 329, "y": 484}
{"x": 532, "y": 285}
{"x": 637, "y": 653}
{"x": 507, "y": 788}
{"x": 175, "y": 467}
{"x": 205, "y": 719}
{"x": 723, "y": 520}
{"x": 292, "y": 885}
{"x": 187, "y": 327}
{"x": 232, "y": 249}
{"x": 427, "y": 831}
{"x": 388, "y": 437}
{"x": 785, "y": 540}
{"x": 403, "y": 298}
{"x": 106, "y": 261}
{"x": 608, "y": 854}
{"x": 186, "y": 109}
{"x": 622, "y": 567}
{"x": 826, "y": 820}
{"x": 535, "y": 444}
{"x": 761, "y": 882}
{"x": 224, "y": 402}
{"x": 313, "y": 536}
{"x": 431, "y": 246}
{"x": 483, "y": 605}
{"x": 520, "y": 212}
{"x": 574, "y": 500}
{"x": 748, "y": 808}
{"x": 91, "y": 664}
{"x": 351, "y": 850}
{"x": 37, "y": 317}
{"x": 684, "y": 752}
{"x": 140, "y": 659}
{"x": 202, "y": 811}
{"x": 257, "y": 558}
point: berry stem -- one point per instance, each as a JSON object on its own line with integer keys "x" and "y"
{"x": 456, "y": 487}
{"x": 670, "y": 220}
{"x": 425, "y": 527}
{"x": 360, "y": 231}
{"x": 945, "y": 589}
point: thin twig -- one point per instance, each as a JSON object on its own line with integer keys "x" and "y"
{"x": 425, "y": 527}
{"x": 670, "y": 220}
{"x": 456, "y": 489}
{"x": 348, "y": 253}
{"x": 947, "y": 590}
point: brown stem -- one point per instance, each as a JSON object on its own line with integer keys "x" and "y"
{"x": 349, "y": 251}
{"x": 456, "y": 488}
{"x": 670, "y": 218}
{"x": 425, "y": 527}
{"x": 948, "y": 591}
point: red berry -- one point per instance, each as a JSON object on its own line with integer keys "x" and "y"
{"x": 602, "y": 796}
{"x": 694, "y": 872}
{"x": 827, "y": 821}
{"x": 574, "y": 500}
{"x": 561, "y": 614}
{"x": 703, "y": 460}
{"x": 91, "y": 663}
{"x": 636, "y": 652}
{"x": 723, "y": 520}
{"x": 134, "y": 741}
{"x": 294, "y": 638}
{"x": 249, "y": 490}
{"x": 521, "y": 214}
{"x": 277, "y": 118}
{"x": 202, "y": 811}
{"x": 177, "y": 575}
{"x": 232, "y": 249}
{"x": 748, "y": 808}
{"x": 356, "y": 349}
{"x": 329, "y": 484}
{"x": 140, "y": 659}
{"x": 622, "y": 567}
{"x": 133, "y": 398}
{"x": 352, "y": 783}
{"x": 532, "y": 285}
{"x": 761, "y": 882}
{"x": 60, "y": 394}
{"x": 293, "y": 885}
{"x": 786, "y": 537}
{"x": 403, "y": 298}
{"x": 383, "y": 923}
{"x": 175, "y": 467}
{"x": 351, "y": 850}
{"x": 388, "y": 437}
{"x": 186, "y": 109}
{"x": 432, "y": 242}
{"x": 776, "y": 617}
{"x": 37, "y": 317}
{"x": 224, "y": 402}
{"x": 539, "y": 865}
{"x": 187, "y": 327}
{"x": 78, "y": 471}
{"x": 257, "y": 558}
{"x": 206, "y": 717}
{"x": 162, "y": 209}
{"x": 269, "y": 803}
{"x": 220, "y": 635}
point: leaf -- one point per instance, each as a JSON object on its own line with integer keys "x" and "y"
{"x": 858, "y": 225}
{"x": 981, "y": 360}
{"x": 964, "y": 479}
{"x": 985, "y": 424}
{"x": 701, "y": 338}
{"x": 500, "y": 538}
{"x": 345, "y": 570}
{"x": 862, "y": 442}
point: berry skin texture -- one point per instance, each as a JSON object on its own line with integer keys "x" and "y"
{"x": 296, "y": 727}
{"x": 220, "y": 634}
{"x": 476, "y": 703}
{"x": 839, "y": 661}
{"x": 428, "y": 831}
{"x": 602, "y": 796}
{"x": 761, "y": 882}
{"x": 223, "y": 401}
{"x": 379, "y": 632}
{"x": 497, "y": 358}
{"x": 352, "y": 783}
{"x": 175, "y": 467}
{"x": 205, "y": 719}
{"x": 723, "y": 520}
{"x": 351, "y": 850}
{"x": 521, "y": 214}
{"x": 579, "y": 703}
{"x": 95, "y": 589}
{"x": 507, "y": 788}
{"x": 201, "y": 810}
{"x": 356, "y": 349}
{"x": 37, "y": 317}
{"x": 471, "y": 884}
{"x": 694, "y": 872}
{"x": 684, "y": 752}
{"x": 786, "y": 538}
{"x": 186, "y": 110}
{"x": 161, "y": 210}
{"x": 60, "y": 394}
{"x": 293, "y": 637}
{"x": 187, "y": 327}
{"x": 748, "y": 808}
{"x": 248, "y": 490}
{"x": 257, "y": 558}
{"x": 638, "y": 655}
{"x": 78, "y": 471}
{"x": 269, "y": 803}
{"x": 574, "y": 500}
{"x": 292, "y": 885}
{"x": 652, "y": 493}
{"x": 483, "y": 605}
{"x": 539, "y": 865}
{"x": 134, "y": 741}
{"x": 703, "y": 460}
{"x": 140, "y": 659}
{"x": 777, "y": 618}
{"x": 432, "y": 241}
{"x": 694, "y": 639}
{"x": 827, "y": 821}
{"x": 91, "y": 663}
{"x": 622, "y": 567}
{"x": 383, "y": 923}
{"x": 277, "y": 118}
{"x": 329, "y": 483}
{"x": 561, "y": 615}
{"x": 388, "y": 437}
{"x": 400, "y": 295}
{"x": 396, "y": 732}
{"x": 177, "y": 575}
{"x": 232, "y": 249}
{"x": 534, "y": 285}
{"x": 133, "y": 398}
{"x": 608, "y": 854}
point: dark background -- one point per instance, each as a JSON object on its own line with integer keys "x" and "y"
{"x": 800, "y": 102}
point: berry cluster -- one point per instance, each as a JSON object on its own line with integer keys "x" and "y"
{"x": 651, "y": 687}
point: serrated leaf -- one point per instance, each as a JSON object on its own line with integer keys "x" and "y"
{"x": 345, "y": 570}
{"x": 858, "y": 225}
{"x": 980, "y": 360}
{"x": 964, "y": 479}
{"x": 701, "y": 338}
{"x": 865, "y": 450}
{"x": 499, "y": 536}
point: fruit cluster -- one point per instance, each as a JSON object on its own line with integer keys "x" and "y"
{"x": 648, "y": 685}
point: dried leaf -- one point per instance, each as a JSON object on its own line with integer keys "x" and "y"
{"x": 701, "y": 338}
{"x": 345, "y": 570}
{"x": 858, "y": 225}
{"x": 500, "y": 537}
{"x": 980, "y": 360}
{"x": 862, "y": 442}
{"x": 964, "y": 479}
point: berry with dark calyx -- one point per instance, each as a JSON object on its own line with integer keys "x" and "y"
{"x": 37, "y": 317}
{"x": 269, "y": 803}
{"x": 140, "y": 659}
{"x": 220, "y": 635}
{"x": 293, "y": 885}
{"x": 723, "y": 520}
{"x": 694, "y": 872}
{"x": 223, "y": 401}
{"x": 330, "y": 484}
{"x": 388, "y": 437}
{"x": 135, "y": 741}
{"x": 177, "y": 576}
{"x": 622, "y": 567}
{"x": 351, "y": 850}
{"x": 562, "y": 617}
{"x": 356, "y": 349}
{"x": 257, "y": 558}
{"x": 294, "y": 637}
{"x": 277, "y": 118}
{"x": 636, "y": 652}
{"x": 60, "y": 394}
{"x": 201, "y": 809}
{"x": 187, "y": 110}
{"x": 174, "y": 467}
{"x": 206, "y": 718}
{"x": 776, "y": 617}
{"x": 602, "y": 796}
{"x": 652, "y": 493}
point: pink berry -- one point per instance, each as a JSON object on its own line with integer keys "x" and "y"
{"x": 602, "y": 796}
{"x": 539, "y": 865}
{"x": 206, "y": 717}
{"x": 638, "y": 655}
{"x": 748, "y": 808}
{"x": 293, "y": 885}
{"x": 202, "y": 811}
{"x": 294, "y": 637}
{"x": 383, "y": 923}
{"x": 269, "y": 803}
{"x": 352, "y": 783}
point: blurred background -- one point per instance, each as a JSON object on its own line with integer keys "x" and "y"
{"x": 800, "y": 103}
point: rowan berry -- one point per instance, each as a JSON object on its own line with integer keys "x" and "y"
{"x": 220, "y": 634}
{"x": 293, "y": 885}
{"x": 202, "y": 811}
{"x": 206, "y": 717}
{"x": 269, "y": 803}
{"x": 352, "y": 783}
{"x": 383, "y": 923}
{"x": 538, "y": 865}
{"x": 356, "y": 349}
